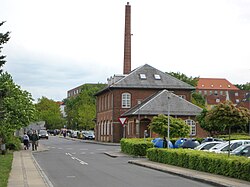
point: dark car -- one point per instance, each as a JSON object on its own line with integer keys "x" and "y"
{"x": 43, "y": 134}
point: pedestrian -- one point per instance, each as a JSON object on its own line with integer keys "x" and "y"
{"x": 64, "y": 133}
{"x": 26, "y": 141}
{"x": 34, "y": 139}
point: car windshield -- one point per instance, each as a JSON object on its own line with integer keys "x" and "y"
{"x": 43, "y": 132}
{"x": 218, "y": 146}
{"x": 238, "y": 149}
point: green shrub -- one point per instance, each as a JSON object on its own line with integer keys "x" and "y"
{"x": 135, "y": 146}
{"x": 233, "y": 166}
{"x": 13, "y": 143}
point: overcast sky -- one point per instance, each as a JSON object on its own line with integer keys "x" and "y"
{"x": 57, "y": 45}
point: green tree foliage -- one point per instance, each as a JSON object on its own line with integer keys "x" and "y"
{"x": 198, "y": 99}
{"x": 228, "y": 115}
{"x": 224, "y": 116}
{"x": 178, "y": 128}
{"x": 49, "y": 111}
{"x": 4, "y": 37}
{"x": 243, "y": 86}
{"x": 189, "y": 80}
{"x": 16, "y": 107}
{"x": 81, "y": 110}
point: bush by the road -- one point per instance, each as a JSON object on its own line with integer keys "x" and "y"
{"x": 221, "y": 164}
{"x": 135, "y": 146}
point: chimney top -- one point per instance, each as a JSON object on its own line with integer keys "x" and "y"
{"x": 127, "y": 3}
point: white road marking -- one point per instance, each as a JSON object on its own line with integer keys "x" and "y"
{"x": 75, "y": 158}
{"x": 71, "y": 176}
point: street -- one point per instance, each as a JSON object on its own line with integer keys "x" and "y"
{"x": 76, "y": 163}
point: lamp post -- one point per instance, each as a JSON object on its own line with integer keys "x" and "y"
{"x": 168, "y": 120}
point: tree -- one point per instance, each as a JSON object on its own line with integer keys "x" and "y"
{"x": 226, "y": 115}
{"x": 49, "y": 111}
{"x": 16, "y": 107}
{"x": 189, "y": 80}
{"x": 243, "y": 86}
{"x": 4, "y": 37}
{"x": 178, "y": 128}
{"x": 198, "y": 99}
{"x": 81, "y": 110}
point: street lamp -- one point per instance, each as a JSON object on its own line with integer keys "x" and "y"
{"x": 168, "y": 120}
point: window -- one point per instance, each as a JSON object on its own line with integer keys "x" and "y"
{"x": 192, "y": 125}
{"x": 143, "y": 76}
{"x": 205, "y": 92}
{"x": 237, "y": 100}
{"x": 236, "y": 94}
{"x": 221, "y": 92}
{"x": 215, "y": 92}
{"x": 126, "y": 100}
{"x": 157, "y": 77}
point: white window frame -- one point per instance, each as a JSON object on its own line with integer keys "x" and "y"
{"x": 192, "y": 124}
{"x": 126, "y": 100}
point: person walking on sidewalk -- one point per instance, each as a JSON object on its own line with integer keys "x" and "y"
{"x": 34, "y": 139}
{"x": 26, "y": 141}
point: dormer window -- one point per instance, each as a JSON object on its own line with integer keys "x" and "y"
{"x": 229, "y": 86}
{"x": 143, "y": 76}
{"x": 157, "y": 77}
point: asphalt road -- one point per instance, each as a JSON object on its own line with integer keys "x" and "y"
{"x": 74, "y": 163}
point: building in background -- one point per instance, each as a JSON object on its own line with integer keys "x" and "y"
{"x": 217, "y": 90}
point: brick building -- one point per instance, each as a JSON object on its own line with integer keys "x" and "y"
{"x": 138, "y": 96}
{"x": 217, "y": 90}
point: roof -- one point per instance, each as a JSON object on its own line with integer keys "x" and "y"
{"x": 158, "y": 104}
{"x": 147, "y": 77}
{"x": 215, "y": 83}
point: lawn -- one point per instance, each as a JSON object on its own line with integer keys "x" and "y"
{"x": 5, "y": 168}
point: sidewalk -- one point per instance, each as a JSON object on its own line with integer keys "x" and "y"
{"x": 27, "y": 173}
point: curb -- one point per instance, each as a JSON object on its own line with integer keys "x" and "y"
{"x": 207, "y": 178}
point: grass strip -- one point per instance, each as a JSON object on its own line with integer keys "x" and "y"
{"x": 5, "y": 168}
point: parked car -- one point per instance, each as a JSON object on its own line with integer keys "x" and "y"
{"x": 74, "y": 134}
{"x": 88, "y": 135}
{"x": 190, "y": 144}
{"x": 159, "y": 143}
{"x": 43, "y": 134}
{"x": 224, "y": 147}
{"x": 211, "y": 139}
{"x": 207, "y": 145}
{"x": 243, "y": 150}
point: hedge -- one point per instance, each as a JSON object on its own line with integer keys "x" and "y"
{"x": 221, "y": 164}
{"x": 135, "y": 146}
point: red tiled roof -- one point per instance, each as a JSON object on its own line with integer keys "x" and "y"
{"x": 215, "y": 83}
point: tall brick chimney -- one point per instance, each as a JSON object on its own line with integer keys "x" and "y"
{"x": 127, "y": 41}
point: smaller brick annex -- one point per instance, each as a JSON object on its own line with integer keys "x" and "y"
{"x": 139, "y": 96}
